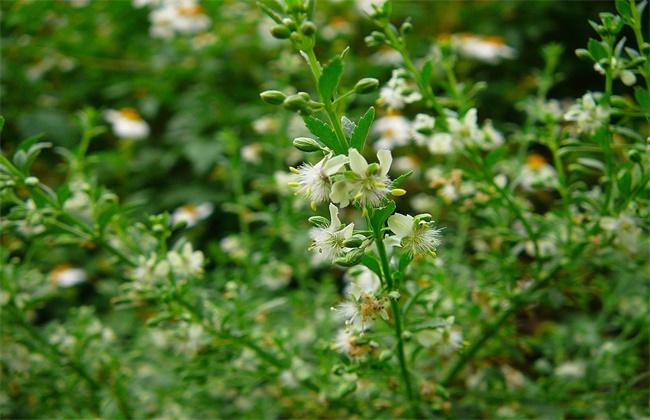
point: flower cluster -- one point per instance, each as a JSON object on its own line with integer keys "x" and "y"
{"x": 587, "y": 113}
{"x": 172, "y": 17}
{"x": 398, "y": 92}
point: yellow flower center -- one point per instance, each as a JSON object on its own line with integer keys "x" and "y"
{"x": 535, "y": 161}
{"x": 130, "y": 114}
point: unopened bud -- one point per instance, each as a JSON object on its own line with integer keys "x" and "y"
{"x": 308, "y": 28}
{"x": 628, "y": 78}
{"x": 407, "y": 335}
{"x": 305, "y": 144}
{"x": 372, "y": 169}
{"x": 290, "y": 24}
{"x": 319, "y": 221}
{"x": 366, "y": 85}
{"x": 295, "y": 103}
{"x": 351, "y": 258}
{"x": 424, "y": 217}
{"x": 31, "y": 181}
{"x": 273, "y": 97}
{"x": 406, "y": 28}
{"x": 354, "y": 242}
{"x": 280, "y": 32}
{"x": 385, "y": 355}
{"x": 395, "y": 295}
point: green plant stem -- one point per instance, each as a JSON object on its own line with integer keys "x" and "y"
{"x": 332, "y": 116}
{"x": 638, "y": 34}
{"x": 563, "y": 187}
{"x": 390, "y": 285}
{"x": 399, "y": 45}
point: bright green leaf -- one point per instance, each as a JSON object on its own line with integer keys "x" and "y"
{"x": 379, "y": 215}
{"x": 360, "y": 133}
{"x": 597, "y": 50}
{"x": 324, "y": 133}
{"x": 330, "y": 78}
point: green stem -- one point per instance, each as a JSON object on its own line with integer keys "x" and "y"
{"x": 390, "y": 285}
{"x": 330, "y": 110}
{"x": 398, "y": 45}
{"x": 638, "y": 33}
{"x": 563, "y": 187}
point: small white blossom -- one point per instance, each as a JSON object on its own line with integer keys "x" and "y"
{"x": 488, "y": 49}
{"x": 392, "y": 131}
{"x": 127, "y": 123}
{"x": 536, "y": 173}
{"x": 398, "y": 92}
{"x": 588, "y": 115}
{"x": 314, "y": 180}
{"x": 361, "y": 309}
{"x": 370, "y": 184}
{"x": 187, "y": 262}
{"x": 415, "y": 236}
{"x": 251, "y": 153}
{"x": 64, "y": 275}
{"x": 185, "y": 17}
{"x": 192, "y": 214}
{"x": 422, "y": 128}
{"x": 465, "y": 129}
{"x": 329, "y": 240}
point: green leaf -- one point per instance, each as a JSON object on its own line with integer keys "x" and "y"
{"x": 624, "y": 182}
{"x": 329, "y": 79}
{"x": 372, "y": 263}
{"x": 642, "y": 98}
{"x": 380, "y": 215}
{"x": 404, "y": 261}
{"x": 2, "y": 123}
{"x": 401, "y": 179}
{"x": 62, "y": 194}
{"x": 106, "y": 214}
{"x": 597, "y": 50}
{"x": 427, "y": 71}
{"x": 33, "y": 153}
{"x": 430, "y": 324}
{"x": 324, "y": 133}
{"x": 360, "y": 132}
{"x": 270, "y": 7}
{"x": 494, "y": 156}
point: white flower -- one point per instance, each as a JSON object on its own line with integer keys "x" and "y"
{"x": 415, "y": 235}
{"x": 251, "y": 153}
{"x": 465, "y": 129}
{"x": 397, "y": 92}
{"x": 574, "y": 369}
{"x": 493, "y": 137}
{"x": 184, "y": 17}
{"x": 361, "y": 309}
{"x": 588, "y": 115}
{"x": 127, "y": 123}
{"x": 346, "y": 343}
{"x": 370, "y": 183}
{"x": 363, "y": 278}
{"x": 489, "y": 49}
{"x": 314, "y": 180}
{"x": 440, "y": 144}
{"x": 446, "y": 339}
{"x": 329, "y": 240}
{"x": 192, "y": 214}
{"x": 536, "y": 173}
{"x": 63, "y": 275}
{"x": 187, "y": 262}
{"x": 392, "y": 130}
{"x": 422, "y": 128}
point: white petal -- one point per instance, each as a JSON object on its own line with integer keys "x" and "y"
{"x": 357, "y": 162}
{"x": 334, "y": 213}
{"x": 385, "y": 160}
{"x": 334, "y": 164}
{"x": 401, "y": 225}
{"x": 341, "y": 193}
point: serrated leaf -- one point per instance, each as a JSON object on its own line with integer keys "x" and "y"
{"x": 329, "y": 79}
{"x": 360, "y": 133}
{"x": 400, "y": 179}
{"x": 624, "y": 9}
{"x": 597, "y": 50}
{"x": 379, "y": 215}
{"x": 324, "y": 133}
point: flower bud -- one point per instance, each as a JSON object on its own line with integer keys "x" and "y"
{"x": 305, "y": 144}
{"x": 354, "y": 242}
{"x": 407, "y": 335}
{"x": 351, "y": 258}
{"x": 308, "y": 28}
{"x": 305, "y": 96}
{"x": 273, "y": 97}
{"x": 280, "y": 32}
{"x": 406, "y": 28}
{"x": 424, "y": 217}
{"x": 385, "y": 355}
{"x": 290, "y": 24}
{"x": 319, "y": 221}
{"x": 31, "y": 181}
{"x": 295, "y": 103}
{"x": 366, "y": 85}
{"x": 395, "y": 295}
{"x": 372, "y": 169}
{"x": 628, "y": 78}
